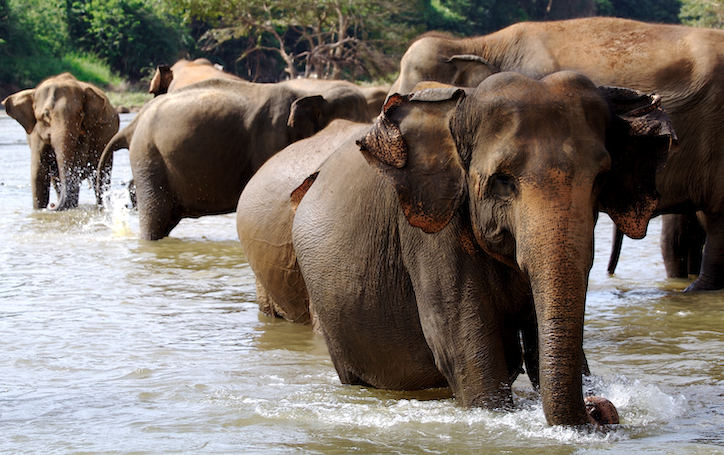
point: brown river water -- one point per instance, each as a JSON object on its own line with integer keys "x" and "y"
{"x": 112, "y": 345}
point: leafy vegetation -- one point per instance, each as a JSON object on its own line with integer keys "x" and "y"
{"x": 265, "y": 40}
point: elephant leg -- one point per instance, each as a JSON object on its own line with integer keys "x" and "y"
{"x": 105, "y": 180}
{"x": 158, "y": 211}
{"x": 40, "y": 174}
{"x": 674, "y": 247}
{"x": 529, "y": 337}
{"x": 696, "y": 245}
{"x": 711, "y": 276}
{"x": 264, "y": 300}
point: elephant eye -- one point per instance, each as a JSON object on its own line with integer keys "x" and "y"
{"x": 501, "y": 186}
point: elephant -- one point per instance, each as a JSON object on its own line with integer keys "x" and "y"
{"x": 375, "y": 95}
{"x": 682, "y": 64}
{"x": 264, "y": 217}
{"x": 192, "y": 151}
{"x": 184, "y": 72}
{"x": 68, "y": 122}
{"x": 460, "y": 226}
{"x": 682, "y": 240}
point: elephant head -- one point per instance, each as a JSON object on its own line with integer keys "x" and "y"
{"x": 161, "y": 80}
{"x": 64, "y": 118}
{"x": 309, "y": 114}
{"x": 529, "y": 163}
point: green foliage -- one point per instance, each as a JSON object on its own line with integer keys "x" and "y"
{"x": 27, "y": 72}
{"x": 474, "y": 17}
{"x": 702, "y": 13}
{"x": 661, "y": 11}
{"x": 42, "y": 24}
{"x": 129, "y": 34}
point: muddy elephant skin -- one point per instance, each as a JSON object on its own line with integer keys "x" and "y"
{"x": 68, "y": 123}
{"x": 684, "y": 65}
{"x": 466, "y": 226}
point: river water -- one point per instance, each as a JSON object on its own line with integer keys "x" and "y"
{"x": 112, "y": 345}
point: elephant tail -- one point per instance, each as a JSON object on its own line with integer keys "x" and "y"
{"x": 615, "y": 250}
{"x": 120, "y": 140}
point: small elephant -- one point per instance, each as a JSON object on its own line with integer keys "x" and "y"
{"x": 184, "y": 72}
{"x": 681, "y": 64}
{"x": 264, "y": 217}
{"x": 68, "y": 123}
{"x": 454, "y": 240}
{"x": 192, "y": 151}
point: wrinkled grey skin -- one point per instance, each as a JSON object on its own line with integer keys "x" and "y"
{"x": 264, "y": 217}
{"x": 193, "y": 150}
{"x": 68, "y": 123}
{"x": 683, "y": 65}
{"x": 466, "y": 226}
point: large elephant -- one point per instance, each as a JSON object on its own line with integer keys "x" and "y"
{"x": 68, "y": 123}
{"x": 683, "y": 65}
{"x": 183, "y": 73}
{"x": 475, "y": 232}
{"x": 264, "y": 217}
{"x": 192, "y": 151}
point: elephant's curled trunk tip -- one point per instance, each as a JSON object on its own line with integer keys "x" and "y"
{"x": 601, "y": 411}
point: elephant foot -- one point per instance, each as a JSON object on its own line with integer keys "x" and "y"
{"x": 601, "y": 411}
{"x": 703, "y": 284}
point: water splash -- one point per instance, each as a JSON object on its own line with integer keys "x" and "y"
{"x": 118, "y": 213}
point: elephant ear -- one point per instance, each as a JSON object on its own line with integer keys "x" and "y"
{"x": 161, "y": 80}
{"x": 307, "y": 115}
{"x": 639, "y": 140}
{"x": 20, "y": 107}
{"x": 471, "y": 70}
{"x": 95, "y": 107}
{"x": 411, "y": 145}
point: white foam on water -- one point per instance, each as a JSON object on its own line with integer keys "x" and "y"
{"x": 118, "y": 213}
{"x": 642, "y": 407}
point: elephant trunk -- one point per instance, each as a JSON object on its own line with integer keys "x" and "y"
{"x": 66, "y": 153}
{"x": 555, "y": 249}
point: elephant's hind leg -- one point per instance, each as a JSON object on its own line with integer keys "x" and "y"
{"x": 158, "y": 210}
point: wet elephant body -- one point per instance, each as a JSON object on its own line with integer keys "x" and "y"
{"x": 461, "y": 224}
{"x": 683, "y": 65}
{"x": 265, "y": 213}
{"x": 193, "y": 150}
{"x": 68, "y": 123}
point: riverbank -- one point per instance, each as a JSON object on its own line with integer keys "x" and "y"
{"x": 128, "y": 100}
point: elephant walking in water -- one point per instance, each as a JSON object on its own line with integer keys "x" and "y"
{"x": 685, "y": 66}
{"x": 461, "y": 224}
{"x": 193, "y": 151}
{"x": 68, "y": 122}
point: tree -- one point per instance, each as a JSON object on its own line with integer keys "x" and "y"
{"x": 129, "y": 34}
{"x": 324, "y": 38}
{"x": 703, "y": 13}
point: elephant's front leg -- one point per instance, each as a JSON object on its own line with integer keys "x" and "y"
{"x": 40, "y": 172}
{"x": 711, "y": 276}
{"x": 461, "y": 315}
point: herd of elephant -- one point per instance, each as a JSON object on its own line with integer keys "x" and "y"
{"x": 438, "y": 232}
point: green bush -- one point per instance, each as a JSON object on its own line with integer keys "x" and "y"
{"x": 129, "y": 34}
{"x": 28, "y": 71}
